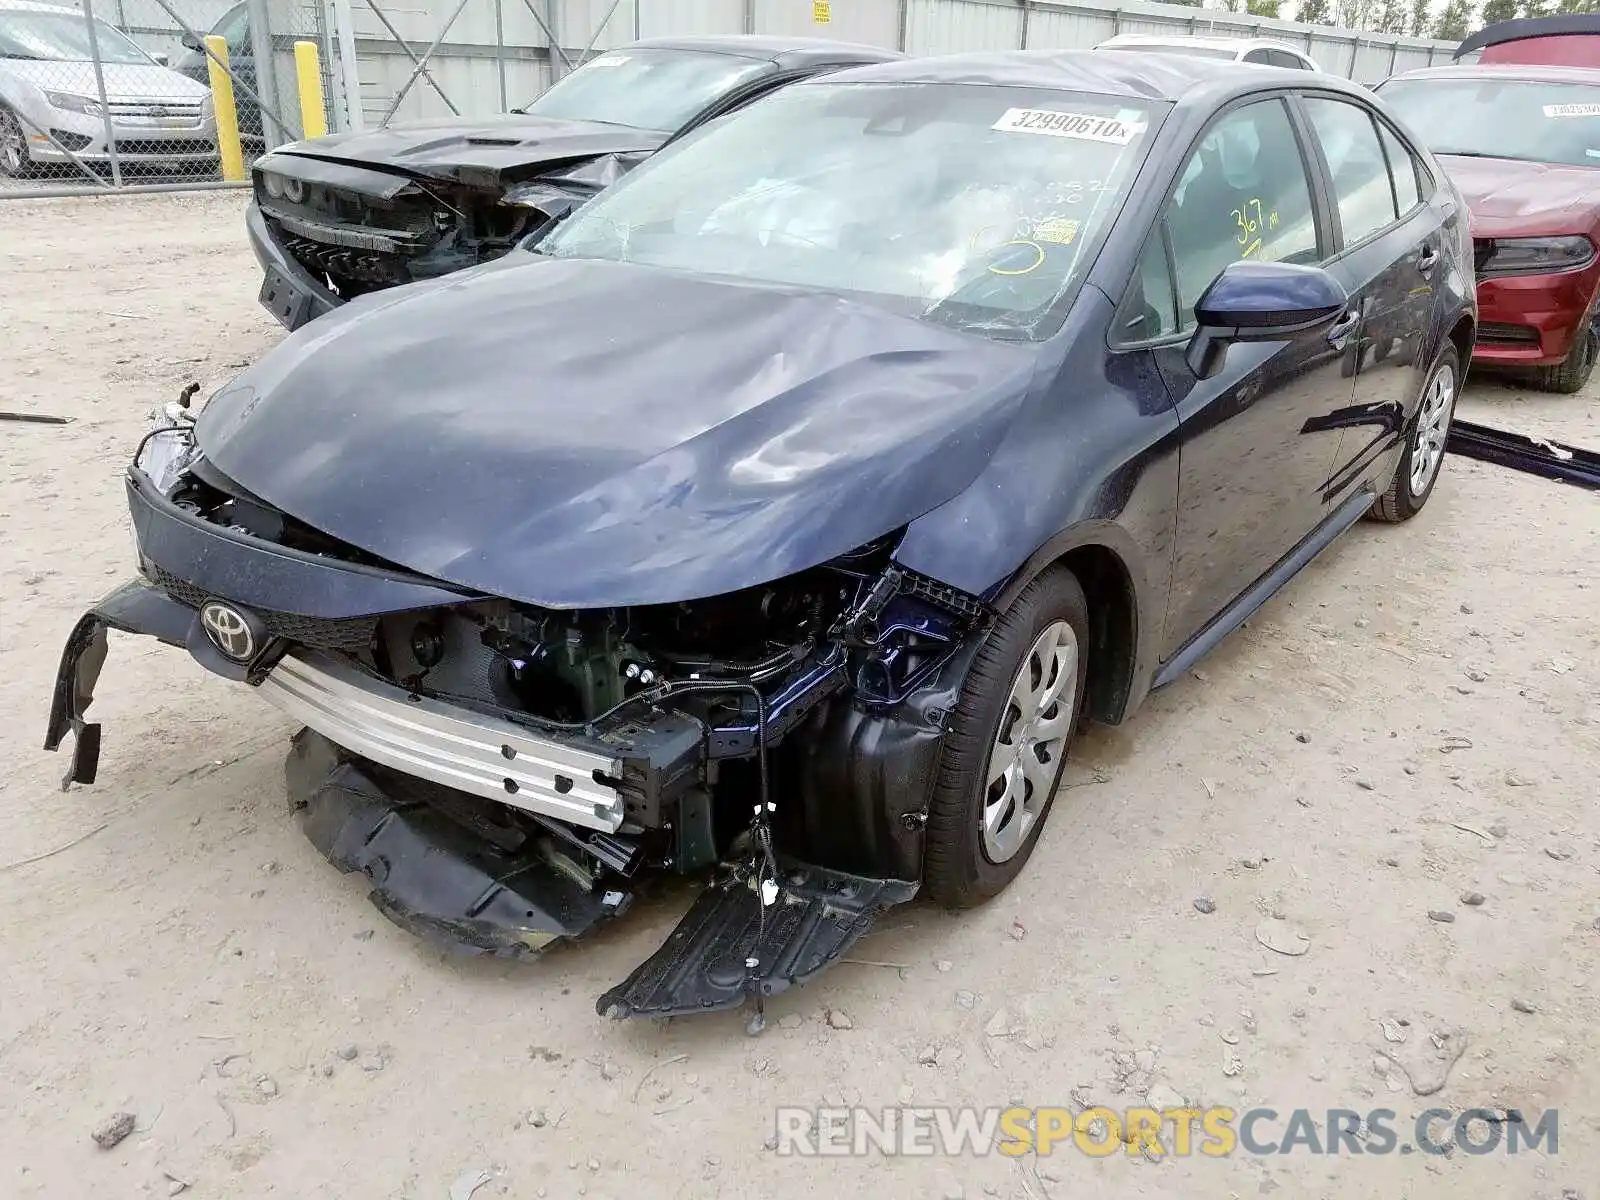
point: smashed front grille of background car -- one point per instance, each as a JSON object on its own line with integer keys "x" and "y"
{"x": 360, "y": 243}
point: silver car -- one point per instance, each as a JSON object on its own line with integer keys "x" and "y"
{"x": 49, "y": 98}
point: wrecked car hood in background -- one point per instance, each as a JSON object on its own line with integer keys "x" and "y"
{"x": 575, "y": 433}
{"x": 488, "y": 153}
{"x": 1509, "y": 196}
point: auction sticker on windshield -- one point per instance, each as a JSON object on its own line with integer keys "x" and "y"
{"x": 1572, "y": 110}
{"x": 1082, "y": 126}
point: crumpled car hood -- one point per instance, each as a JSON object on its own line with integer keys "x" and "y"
{"x": 1508, "y": 197}
{"x": 480, "y": 152}
{"x": 588, "y": 434}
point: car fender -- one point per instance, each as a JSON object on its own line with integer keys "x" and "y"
{"x": 1091, "y": 460}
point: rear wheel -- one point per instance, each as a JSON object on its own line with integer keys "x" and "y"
{"x": 1573, "y": 372}
{"x": 15, "y": 162}
{"x": 1424, "y": 453}
{"x": 1008, "y": 742}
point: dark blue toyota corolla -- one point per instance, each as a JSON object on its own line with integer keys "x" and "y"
{"x": 782, "y": 512}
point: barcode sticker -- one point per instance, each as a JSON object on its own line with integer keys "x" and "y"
{"x": 1081, "y": 126}
{"x": 1572, "y": 110}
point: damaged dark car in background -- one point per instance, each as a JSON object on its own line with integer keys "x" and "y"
{"x": 880, "y": 436}
{"x": 339, "y": 216}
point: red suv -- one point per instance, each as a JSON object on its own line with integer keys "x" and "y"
{"x": 1522, "y": 143}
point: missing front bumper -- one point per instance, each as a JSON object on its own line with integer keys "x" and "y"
{"x": 431, "y": 874}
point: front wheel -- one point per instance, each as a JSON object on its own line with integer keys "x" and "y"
{"x": 1571, "y": 373}
{"x": 15, "y": 161}
{"x": 1007, "y": 743}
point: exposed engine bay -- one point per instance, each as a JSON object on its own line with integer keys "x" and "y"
{"x": 506, "y": 775}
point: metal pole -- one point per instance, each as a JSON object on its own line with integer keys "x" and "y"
{"x": 210, "y": 54}
{"x": 272, "y": 132}
{"x": 749, "y": 15}
{"x": 421, "y": 66}
{"x": 500, "y": 49}
{"x": 349, "y": 72}
{"x": 1022, "y": 34}
{"x": 427, "y": 74}
{"x": 637, "y": 35}
{"x": 555, "y": 40}
{"x": 606, "y": 20}
{"x": 100, "y": 85}
{"x": 555, "y": 46}
{"x": 133, "y": 189}
{"x": 902, "y": 30}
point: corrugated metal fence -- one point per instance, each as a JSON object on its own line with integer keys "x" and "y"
{"x": 396, "y": 60}
{"x": 467, "y": 64}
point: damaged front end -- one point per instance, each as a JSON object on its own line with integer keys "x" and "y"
{"x": 326, "y": 232}
{"x": 505, "y": 775}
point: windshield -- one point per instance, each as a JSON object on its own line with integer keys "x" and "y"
{"x": 646, "y": 89}
{"x": 63, "y": 38}
{"x": 1502, "y": 118}
{"x": 966, "y": 204}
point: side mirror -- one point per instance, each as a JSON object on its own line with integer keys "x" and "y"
{"x": 161, "y": 59}
{"x": 1260, "y": 302}
{"x": 191, "y": 41}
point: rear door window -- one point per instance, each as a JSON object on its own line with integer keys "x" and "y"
{"x": 1403, "y": 168}
{"x": 1356, "y": 163}
{"x": 1282, "y": 58}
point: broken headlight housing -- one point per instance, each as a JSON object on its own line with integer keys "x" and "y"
{"x": 166, "y": 452}
{"x": 1535, "y": 255}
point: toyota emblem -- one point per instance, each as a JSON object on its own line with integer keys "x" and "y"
{"x": 228, "y": 630}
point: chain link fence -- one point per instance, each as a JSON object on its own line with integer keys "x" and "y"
{"x": 128, "y": 93}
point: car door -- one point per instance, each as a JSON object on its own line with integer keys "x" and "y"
{"x": 1256, "y": 448}
{"x": 1391, "y": 245}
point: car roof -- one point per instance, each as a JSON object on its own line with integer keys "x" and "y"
{"x": 785, "y": 51}
{"x": 1533, "y": 72}
{"x": 1240, "y": 44}
{"x": 1138, "y": 74}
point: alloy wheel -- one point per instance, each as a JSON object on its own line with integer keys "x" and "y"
{"x": 13, "y": 148}
{"x": 1026, "y": 756}
{"x": 1433, "y": 428}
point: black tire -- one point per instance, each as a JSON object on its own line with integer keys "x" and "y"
{"x": 15, "y": 163}
{"x": 1401, "y": 502}
{"x": 957, "y": 871}
{"x": 1572, "y": 372}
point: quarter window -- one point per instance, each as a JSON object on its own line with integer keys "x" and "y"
{"x": 1147, "y": 310}
{"x": 1355, "y": 161}
{"x": 1403, "y": 167}
{"x": 1244, "y": 194}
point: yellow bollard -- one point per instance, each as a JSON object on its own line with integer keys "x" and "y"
{"x": 228, "y": 147}
{"x": 308, "y": 70}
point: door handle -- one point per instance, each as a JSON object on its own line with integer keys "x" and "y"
{"x": 1343, "y": 327}
{"x": 1427, "y": 258}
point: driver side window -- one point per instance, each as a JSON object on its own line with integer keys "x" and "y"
{"x": 1244, "y": 194}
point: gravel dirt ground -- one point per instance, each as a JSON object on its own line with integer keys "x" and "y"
{"x": 1415, "y": 718}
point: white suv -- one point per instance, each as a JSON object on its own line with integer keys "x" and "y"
{"x": 1266, "y": 51}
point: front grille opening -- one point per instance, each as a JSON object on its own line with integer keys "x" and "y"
{"x": 71, "y": 141}
{"x": 344, "y": 633}
{"x": 1508, "y": 335}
